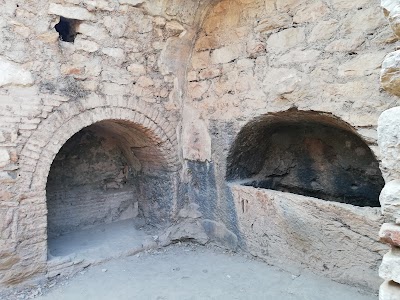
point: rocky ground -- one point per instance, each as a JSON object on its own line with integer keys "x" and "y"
{"x": 187, "y": 271}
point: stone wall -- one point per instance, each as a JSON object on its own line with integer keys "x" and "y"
{"x": 332, "y": 239}
{"x": 388, "y": 134}
{"x": 257, "y": 58}
{"x": 189, "y": 75}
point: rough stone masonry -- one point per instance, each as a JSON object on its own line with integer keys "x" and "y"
{"x": 148, "y": 106}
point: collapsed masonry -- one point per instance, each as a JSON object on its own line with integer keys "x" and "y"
{"x": 246, "y": 123}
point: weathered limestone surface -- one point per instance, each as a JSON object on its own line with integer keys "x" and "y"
{"x": 389, "y": 290}
{"x": 335, "y": 240}
{"x": 388, "y": 137}
{"x": 189, "y": 74}
{"x": 390, "y": 73}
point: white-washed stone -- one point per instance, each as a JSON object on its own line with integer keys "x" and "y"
{"x": 390, "y": 199}
{"x": 174, "y": 28}
{"x": 131, "y": 2}
{"x": 272, "y": 22}
{"x": 71, "y": 12}
{"x": 389, "y": 143}
{"x": 324, "y": 30}
{"x": 13, "y": 74}
{"x": 4, "y": 157}
{"x": 390, "y": 266}
{"x": 389, "y": 290}
{"x": 390, "y": 73}
{"x": 114, "y": 52}
{"x": 343, "y": 45}
{"x": 287, "y": 5}
{"x": 85, "y": 45}
{"x": 285, "y": 39}
{"x": 200, "y": 60}
{"x": 299, "y": 56}
{"x": 137, "y": 69}
{"x": 96, "y": 32}
{"x": 392, "y": 12}
{"x": 312, "y": 12}
{"x": 362, "y": 65}
{"x": 225, "y": 54}
{"x": 281, "y": 81}
{"x": 116, "y": 26}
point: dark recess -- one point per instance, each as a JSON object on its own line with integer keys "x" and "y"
{"x": 67, "y": 29}
{"x": 306, "y": 157}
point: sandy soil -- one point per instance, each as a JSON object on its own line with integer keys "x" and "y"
{"x": 192, "y": 272}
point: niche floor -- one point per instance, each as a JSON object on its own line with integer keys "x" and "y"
{"x": 99, "y": 243}
{"x": 194, "y": 272}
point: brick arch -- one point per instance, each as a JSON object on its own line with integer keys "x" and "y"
{"x": 43, "y": 145}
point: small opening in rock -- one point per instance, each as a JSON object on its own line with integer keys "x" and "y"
{"x": 66, "y": 29}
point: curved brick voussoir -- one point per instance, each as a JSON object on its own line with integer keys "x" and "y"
{"x": 71, "y": 117}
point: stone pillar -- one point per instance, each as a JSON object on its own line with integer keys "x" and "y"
{"x": 389, "y": 144}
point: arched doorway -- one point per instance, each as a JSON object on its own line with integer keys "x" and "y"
{"x": 107, "y": 180}
{"x": 129, "y": 126}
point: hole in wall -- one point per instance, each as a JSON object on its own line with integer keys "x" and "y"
{"x": 309, "y": 154}
{"x": 66, "y": 29}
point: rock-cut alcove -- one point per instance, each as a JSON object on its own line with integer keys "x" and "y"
{"x": 107, "y": 179}
{"x": 306, "y": 153}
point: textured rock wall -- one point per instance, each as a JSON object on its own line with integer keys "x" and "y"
{"x": 305, "y": 157}
{"x": 127, "y": 62}
{"x": 388, "y": 136}
{"x": 89, "y": 183}
{"x": 333, "y": 239}
{"x": 188, "y": 74}
{"x": 254, "y": 58}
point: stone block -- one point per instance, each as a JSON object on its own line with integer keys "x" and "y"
{"x": 345, "y": 45}
{"x": 362, "y": 65}
{"x": 13, "y": 74}
{"x": 390, "y": 267}
{"x": 389, "y": 290}
{"x": 311, "y": 12}
{"x": 285, "y": 39}
{"x": 219, "y": 234}
{"x": 323, "y": 30}
{"x": 390, "y": 234}
{"x": 4, "y": 157}
{"x": 85, "y": 45}
{"x": 70, "y": 12}
{"x": 389, "y": 143}
{"x": 390, "y": 73}
{"x": 273, "y": 22}
{"x": 200, "y": 60}
{"x": 137, "y": 69}
{"x": 392, "y": 12}
{"x": 114, "y": 52}
{"x": 95, "y": 32}
{"x": 390, "y": 199}
{"x": 131, "y": 2}
{"x": 225, "y": 54}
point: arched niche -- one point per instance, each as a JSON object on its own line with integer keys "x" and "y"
{"x": 306, "y": 153}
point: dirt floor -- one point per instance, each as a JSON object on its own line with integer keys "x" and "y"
{"x": 187, "y": 271}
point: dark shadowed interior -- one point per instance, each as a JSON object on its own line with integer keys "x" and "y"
{"x": 107, "y": 172}
{"x": 308, "y": 154}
